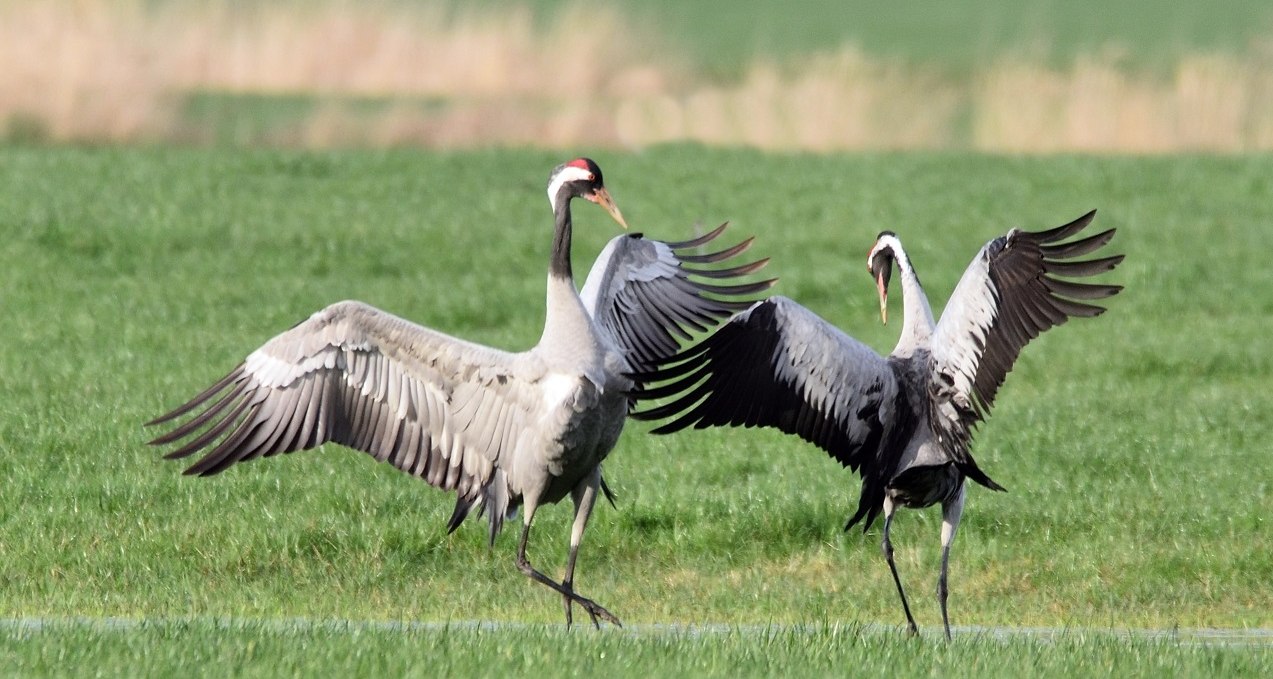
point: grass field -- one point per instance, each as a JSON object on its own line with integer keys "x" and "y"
{"x": 218, "y": 649}
{"x": 1134, "y": 446}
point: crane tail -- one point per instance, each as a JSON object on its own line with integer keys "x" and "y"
{"x": 866, "y": 513}
{"x": 609, "y": 494}
{"x": 974, "y": 472}
{"x": 463, "y": 505}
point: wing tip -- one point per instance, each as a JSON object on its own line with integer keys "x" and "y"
{"x": 699, "y": 240}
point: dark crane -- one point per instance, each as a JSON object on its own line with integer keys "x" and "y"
{"x": 903, "y": 422}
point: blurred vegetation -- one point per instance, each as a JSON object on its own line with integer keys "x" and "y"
{"x": 723, "y": 36}
{"x": 960, "y": 37}
{"x": 992, "y": 76}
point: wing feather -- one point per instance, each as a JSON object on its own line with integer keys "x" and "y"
{"x": 779, "y": 365}
{"x": 1006, "y": 297}
{"x": 199, "y": 399}
{"x": 432, "y": 405}
{"x": 647, "y": 301}
{"x": 1078, "y": 248}
{"x": 1086, "y": 268}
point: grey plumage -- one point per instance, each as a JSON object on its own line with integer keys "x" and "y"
{"x": 903, "y": 422}
{"x": 501, "y": 430}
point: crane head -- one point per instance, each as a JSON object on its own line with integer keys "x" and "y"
{"x": 879, "y": 262}
{"x": 581, "y": 178}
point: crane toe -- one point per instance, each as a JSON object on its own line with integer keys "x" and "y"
{"x": 595, "y": 611}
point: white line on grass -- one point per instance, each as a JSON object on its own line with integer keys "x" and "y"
{"x": 1204, "y": 636}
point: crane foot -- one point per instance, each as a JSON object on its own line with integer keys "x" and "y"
{"x": 595, "y": 611}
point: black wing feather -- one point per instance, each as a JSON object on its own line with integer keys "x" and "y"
{"x": 779, "y": 365}
{"x": 1008, "y": 296}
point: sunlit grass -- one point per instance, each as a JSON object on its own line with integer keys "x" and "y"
{"x": 198, "y": 648}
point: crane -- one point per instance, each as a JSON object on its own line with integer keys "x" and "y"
{"x": 501, "y": 430}
{"x": 903, "y": 422}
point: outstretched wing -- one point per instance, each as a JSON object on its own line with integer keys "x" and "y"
{"x": 1006, "y": 297}
{"x": 433, "y": 406}
{"x": 780, "y": 365}
{"x": 645, "y": 294}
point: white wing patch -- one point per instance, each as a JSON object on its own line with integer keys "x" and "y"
{"x": 965, "y": 324}
{"x": 557, "y": 389}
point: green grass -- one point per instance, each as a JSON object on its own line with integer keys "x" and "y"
{"x": 300, "y": 649}
{"x": 1134, "y": 445}
{"x": 243, "y": 120}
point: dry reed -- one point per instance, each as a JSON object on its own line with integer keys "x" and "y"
{"x": 106, "y": 70}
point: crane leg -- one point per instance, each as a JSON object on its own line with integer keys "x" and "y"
{"x": 889, "y": 509}
{"x": 584, "y": 495}
{"x": 950, "y": 513}
{"x": 523, "y": 564}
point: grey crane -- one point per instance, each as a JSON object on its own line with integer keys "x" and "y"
{"x": 903, "y": 422}
{"x": 499, "y": 429}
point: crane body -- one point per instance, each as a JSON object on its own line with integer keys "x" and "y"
{"x": 904, "y": 422}
{"x": 501, "y": 430}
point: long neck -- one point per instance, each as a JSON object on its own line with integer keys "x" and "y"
{"x": 917, "y": 316}
{"x": 567, "y": 326}
{"x": 559, "y": 265}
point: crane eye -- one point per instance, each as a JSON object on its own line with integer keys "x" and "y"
{"x": 592, "y": 177}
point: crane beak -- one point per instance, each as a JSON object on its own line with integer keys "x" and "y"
{"x": 882, "y": 286}
{"x": 601, "y": 197}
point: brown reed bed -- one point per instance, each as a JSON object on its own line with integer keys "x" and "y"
{"x": 391, "y": 74}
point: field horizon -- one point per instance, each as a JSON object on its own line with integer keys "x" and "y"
{"x": 994, "y": 77}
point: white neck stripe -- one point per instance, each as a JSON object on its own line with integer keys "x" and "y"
{"x": 568, "y": 173}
